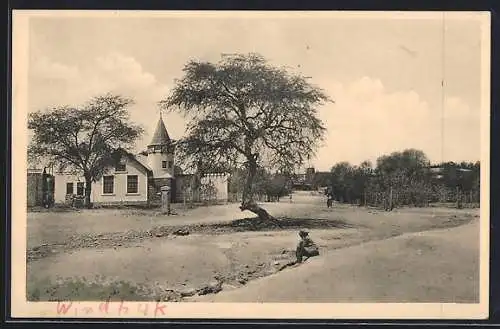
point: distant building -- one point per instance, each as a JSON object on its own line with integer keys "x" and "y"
{"x": 137, "y": 178}
{"x": 40, "y": 188}
{"x": 311, "y": 179}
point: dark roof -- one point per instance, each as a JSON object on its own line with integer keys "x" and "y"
{"x": 160, "y": 136}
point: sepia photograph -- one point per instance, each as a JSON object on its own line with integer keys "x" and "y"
{"x": 204, "y": 164}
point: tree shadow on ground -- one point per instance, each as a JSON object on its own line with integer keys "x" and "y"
{"x": 256, "y": 224}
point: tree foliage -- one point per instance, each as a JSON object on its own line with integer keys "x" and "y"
{"x": 408, "y": 175}
{"x": 244, "y": 112}
{"x": 83, "y": 139}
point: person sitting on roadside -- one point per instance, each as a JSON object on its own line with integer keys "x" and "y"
{"x": 306, "y": 247}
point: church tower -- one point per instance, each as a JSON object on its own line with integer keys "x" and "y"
{"x": 161, "y": 153}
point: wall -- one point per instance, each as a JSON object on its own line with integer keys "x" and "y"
{"x": 181, "y": 181}
{"x": 60, "y": 185}
{"x": 221, "y": 184}
{"x": 34, "y": 190}
{"x": 155, "y": 162}
{"x": 154, "y": 190}
{"x": 120, "y": 186}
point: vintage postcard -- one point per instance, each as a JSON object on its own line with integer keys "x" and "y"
{"x": 250, "y": 165}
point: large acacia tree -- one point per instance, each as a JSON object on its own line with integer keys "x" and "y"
{"x": 85, "y": 140}
{"x": 244, "y": 111}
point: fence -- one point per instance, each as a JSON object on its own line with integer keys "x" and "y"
{"x": 259, "y": 197}
{"x": 396, "y": 197}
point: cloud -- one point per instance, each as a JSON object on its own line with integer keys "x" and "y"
{"x": 53, "y": 84}
{"x": 367, "y": 120}
{"x": 49, "y": 70}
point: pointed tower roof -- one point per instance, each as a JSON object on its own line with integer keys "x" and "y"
{"x": 160, "y": 136}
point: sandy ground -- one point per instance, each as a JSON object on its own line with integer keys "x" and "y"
{"x": 439, "y": 266}
{"x": 237, "y": 256}
{"x": 54, "y": 227}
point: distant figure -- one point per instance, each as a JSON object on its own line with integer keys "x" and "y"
{"x": 306, "y": 247}
{"x": 329, "y": 197}
{"x": 329, "y": 201}
{"x": 290, "y": 197}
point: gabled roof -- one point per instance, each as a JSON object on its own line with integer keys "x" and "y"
{"x": 160, "y": 136}
{"x": 140, "y": 159}
{"x": 143, "y": 160}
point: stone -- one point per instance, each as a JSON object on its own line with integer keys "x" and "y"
{"x": 210, "y": 288}
{"x": 187, "y": 292}
{"x": 181, "y": 232}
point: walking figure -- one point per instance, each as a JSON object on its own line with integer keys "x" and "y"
{"x": 329, "y": 196}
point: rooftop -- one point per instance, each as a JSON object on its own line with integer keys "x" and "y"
{"x": 160, "y": 136}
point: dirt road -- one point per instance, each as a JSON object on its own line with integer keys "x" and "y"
{"x": 55, "y": 227}
{"x": 216, "y": 250}
{"x": 421, "y": 267}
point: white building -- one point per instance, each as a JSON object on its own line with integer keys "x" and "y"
{"x": 137, "y": 178}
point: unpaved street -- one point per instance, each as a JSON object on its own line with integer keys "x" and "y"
{"x": 414, "y": 268}
{"x": 139, "y": 247}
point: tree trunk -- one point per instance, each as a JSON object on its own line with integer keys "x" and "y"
{"x": 256, "y": 209}
{"x": 88, "y": 192}
{"x": 248, "y": 202}
{"x": 184, "y": 199}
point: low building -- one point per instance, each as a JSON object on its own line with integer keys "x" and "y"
{"x": 137, "y": 178}
{"x": 311, "y": 179}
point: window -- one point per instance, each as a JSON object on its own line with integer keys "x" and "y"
{"x": 108, "y": 184}
{"x": 164, "y": 164}
{"x": 80, "y": 188}
{"x": 69, "y": 188}
{"x": 120, "y": 167}
{"x": 132, "y": 184}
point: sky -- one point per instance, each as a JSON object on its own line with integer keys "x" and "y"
{"x": 385, "y": 75}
